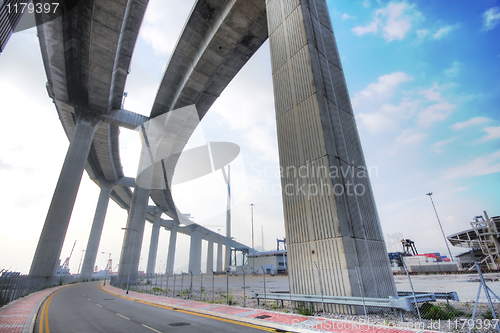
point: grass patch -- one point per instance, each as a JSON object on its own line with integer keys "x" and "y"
{"x": 302, "y": 310}
{"x": 437, "y": 312}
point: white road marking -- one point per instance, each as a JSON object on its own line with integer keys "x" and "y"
{"x": 122, "y": 316}
{"x": 99, "y": 305}
{"x": 152, "y": 329}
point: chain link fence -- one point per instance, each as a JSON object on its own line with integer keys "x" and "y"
{"x": 455, "y": 301}
{"x": 14, "y": 285}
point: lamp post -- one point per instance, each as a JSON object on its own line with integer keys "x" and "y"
{"x": 133, "y": 255}
{"x": 253, "y": 254}
{"x": 106, "y": 267}
{"x": 440, "y": 226}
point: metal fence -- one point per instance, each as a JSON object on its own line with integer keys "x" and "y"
{"x": 453, "y": 302}
{"x": 14, "y": 285}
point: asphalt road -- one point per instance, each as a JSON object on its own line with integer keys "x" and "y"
{"x": 84, "y": 307}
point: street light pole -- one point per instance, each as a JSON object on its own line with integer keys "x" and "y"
{"x": 133, "y": 255}
{"x": 253, "y": 247}
{"x": 440, "y": 226}
{"x": 106, "y": 267}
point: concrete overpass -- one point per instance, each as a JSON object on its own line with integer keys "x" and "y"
{"x": 87, "y": 54}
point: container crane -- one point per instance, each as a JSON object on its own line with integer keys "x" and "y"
{"x": 65, "y": 265}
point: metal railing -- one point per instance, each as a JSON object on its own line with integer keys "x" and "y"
{"x": 14, "y": 285}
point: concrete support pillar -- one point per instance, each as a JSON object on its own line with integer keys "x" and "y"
{"x": 171, "y": 248}
{"x": 195, "y": 252}
{"x": 210, "y": 256}
{"x": 219, "y": 257}
{"x": 96, "y": 231}
{"x": 333, "y": 228}
{"x": 153, "y": 245}
{"x": 56, "y": 224}
{"x": 132, "y": 240}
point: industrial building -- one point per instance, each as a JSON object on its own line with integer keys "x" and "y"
{"x": 272, "y": 262}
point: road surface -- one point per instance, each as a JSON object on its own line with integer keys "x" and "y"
{"x": 84, "y": 307}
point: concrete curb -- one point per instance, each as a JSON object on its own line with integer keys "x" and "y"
{"x": 29, "y": 325}
{"x": 277, "y": 326}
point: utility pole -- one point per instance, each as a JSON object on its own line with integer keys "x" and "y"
{"x": 253, "y": 247}
{"x": 440, "y": 226}
{"x": 106, "y": 268}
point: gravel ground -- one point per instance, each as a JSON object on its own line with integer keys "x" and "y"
{"x": 466, "y": 286}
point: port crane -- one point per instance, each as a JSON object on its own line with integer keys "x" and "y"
{"x": 65, "y": 265}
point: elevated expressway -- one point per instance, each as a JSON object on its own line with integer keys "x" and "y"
{"x": 87, "y": 54}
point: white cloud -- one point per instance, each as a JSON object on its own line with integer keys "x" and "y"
{"x": 264, "y": 143}
{"x": 387, "y": 117}
{"x": 454, "y": 69}
{"x": 383, "y": 89}
{"x": 434, "y": 113}
{"x": 483, "y": 165}
{"x": 421, "y": 33}
{"x": 372, "y": 27}
{"x": 432, "y": 94}
{"x": 442, "y": 32}
{"x": 440, "y": 144}
{"x": 493, "y": 132}
{"x": 162, "y": 26}
{"x": 491, "y": 18}
{"x": 398, "y": 23}
{"x": 395, "y": 20}
{"x": 444, "y": 142}
{"x": 409, "y": 137}
{"x": 470, "y": 122}
{"x": 376, "y": 112}
{"x": 346, "y": 16}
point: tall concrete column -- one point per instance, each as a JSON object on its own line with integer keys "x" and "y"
{"x": 195, "y": 252}
{"x": 132, "y": 240}
{"x": 153, "y": 245}
{"x": 171, "y": 248}
{"x": 330, "y": 214}
{"x": 210, "y": 256}
{"x": 96, "y": 231}
{"x": 219, "y": 257}
{"x": 56, "y": 224}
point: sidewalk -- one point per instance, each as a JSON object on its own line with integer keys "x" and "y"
{"x": 278, "y": 320}
{"x": 19, "y": 316}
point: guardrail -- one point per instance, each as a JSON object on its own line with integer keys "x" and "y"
{"x": 403, "y": 303}
{"x": 451, "y": 296}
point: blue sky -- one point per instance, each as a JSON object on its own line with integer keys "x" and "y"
{"x": 423, "y": 78}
